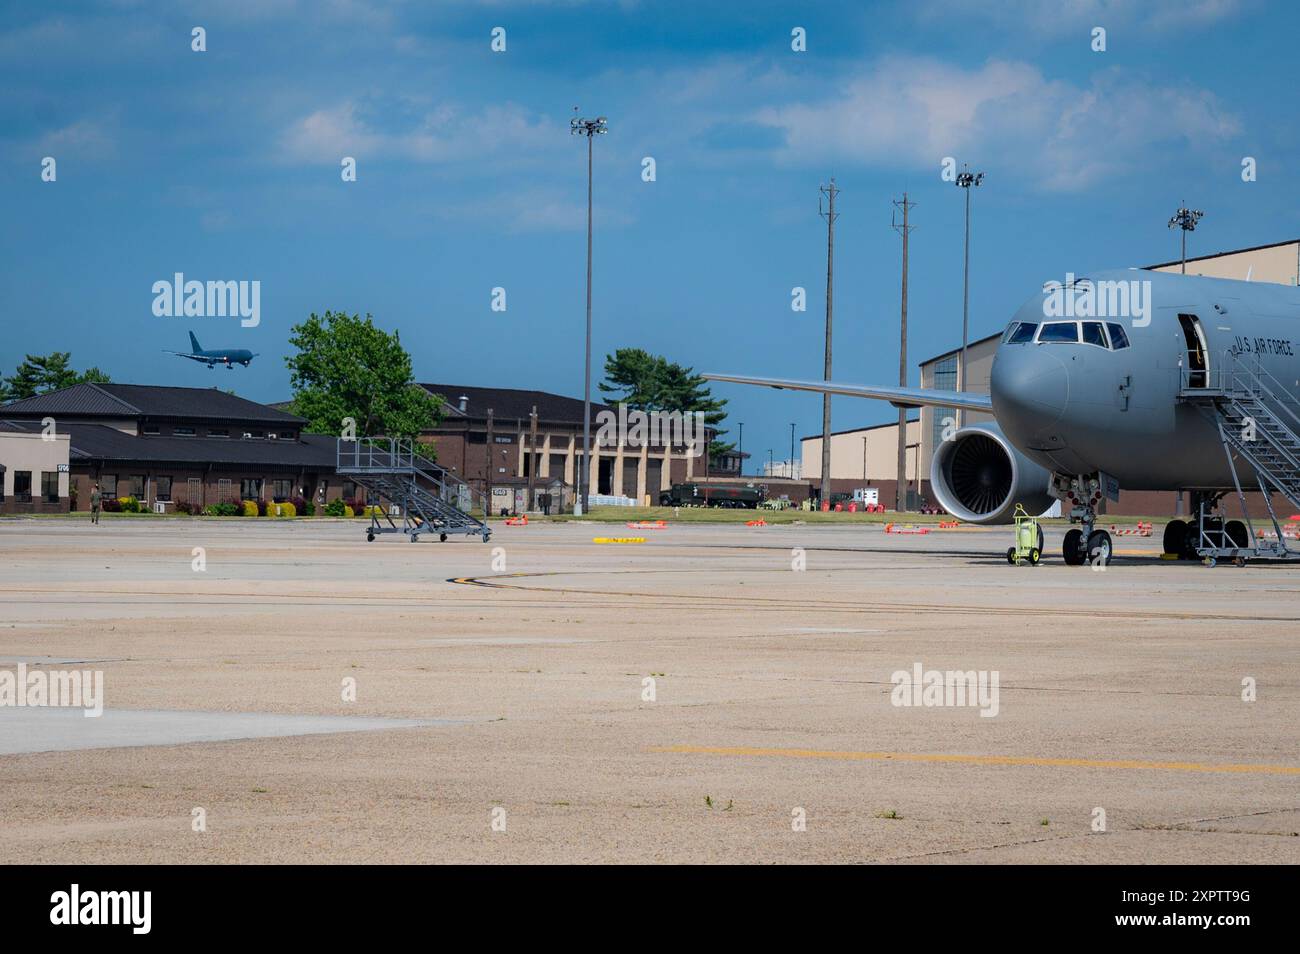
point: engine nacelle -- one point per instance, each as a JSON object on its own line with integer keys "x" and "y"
{"x": 979, "y": 476}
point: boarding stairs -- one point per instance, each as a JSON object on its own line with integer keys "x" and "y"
{"x": 1257, "y": 420}
{"x": 426, "y": 497}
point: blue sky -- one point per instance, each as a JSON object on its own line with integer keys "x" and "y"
{"x": 226, "y": 165}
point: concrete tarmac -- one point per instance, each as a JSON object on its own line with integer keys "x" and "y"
{"x": 715, "y": 694}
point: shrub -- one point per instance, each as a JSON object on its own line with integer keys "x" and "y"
{"x": 223, "y": 510}
{"x": 248, "y": 507}
{"x": 129, "y": 504}
{"x": 286, "y": 509}
{"x": 357, "y": 504}
{"x": 298, "y": 503}
{"x": 184, "y": 506}
{"x": 261, "y": 508}
{"x": 308, "y": 509}
{"x": 348, "y": 511}
{"x": 373, "y": 510}
{"x": 335, "y": 508}
{"x": 110, "y": 505}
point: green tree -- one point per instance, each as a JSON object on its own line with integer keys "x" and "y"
{"x": 40, "y": 374}
{"x": 653, "y": 383}
{"x": 346, "y": 367}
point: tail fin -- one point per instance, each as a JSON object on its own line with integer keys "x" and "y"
{"x": 194, "y": 342}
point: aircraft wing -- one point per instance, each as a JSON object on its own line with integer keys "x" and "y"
{"x": 899, "y": 397}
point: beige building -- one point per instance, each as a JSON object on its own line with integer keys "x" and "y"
{"x": 34, "y": 471}
{"x": 1278, "y": 263}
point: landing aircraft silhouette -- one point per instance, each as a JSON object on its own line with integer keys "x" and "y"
{"x": 228, "y": 356}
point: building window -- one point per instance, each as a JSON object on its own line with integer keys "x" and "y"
{"x": 162, "y": 488}
{"x": 225, "y": 491}
{"x": 349, "y": 489}
{"x": 281, "y": 490}
{"x": 194, "y": 490}
{"x": 218, "y": 432}
{"x": 183, "y": 431}
{"x": 250, "y": 488}
{"x": 256, "y": 435}
{"x": 50, "y": 486}
{"x": 108, "y": 485}
{"x": 152, "y": 430}
{"x": 23, "y": 486}
{"x": 945, "y": 379}
{"x": 135, "y": 486}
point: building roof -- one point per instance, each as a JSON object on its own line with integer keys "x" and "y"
{"x": 858, "y": 430}
{"x": 510, "y": 404}
{"x": 148, "y": 400}
{"x": 1233, "y": 251}
{"x": 957, "y": 350}
{"x": 101, "y": 442}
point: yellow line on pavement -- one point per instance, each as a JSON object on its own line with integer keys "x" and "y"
{"x": 978, "y": 759}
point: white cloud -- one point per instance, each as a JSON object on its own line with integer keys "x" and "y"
{"x": 918, "y": 111}
{"x": 1076, "y": 16}
{"x": 443, "y": 133}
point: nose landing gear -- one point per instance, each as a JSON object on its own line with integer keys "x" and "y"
{"x": 1083, "y": 544}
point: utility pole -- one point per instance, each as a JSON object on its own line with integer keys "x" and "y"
{"x": 900, "y": 482}
{"x": 591, "y": 128}
{"x": 829, "y": 215}
{"x": 532, "y": 458}
{"x": 790, "y": 472}
{"x": 740, "y": 450}
{"x": 1186, "y": 220}
{"x": 491, "y": 462}
{"x": 965, "y": 180}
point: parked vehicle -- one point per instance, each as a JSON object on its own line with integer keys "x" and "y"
{"x": 713, "y": 495}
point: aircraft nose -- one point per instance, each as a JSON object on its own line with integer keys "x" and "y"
{"x": 1030, "y": 388}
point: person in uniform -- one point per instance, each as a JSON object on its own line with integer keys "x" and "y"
{"x": 95, "y": 499}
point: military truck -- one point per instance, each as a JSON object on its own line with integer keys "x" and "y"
{"x": 713, "y": 495}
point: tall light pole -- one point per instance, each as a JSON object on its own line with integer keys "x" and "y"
{"x": 830, "y": 216}
{"x": 790, "y": 472}
{"x": 740, "y": 450}
{"x": 900, "y": 479}
{"x": 965, "y": 179}
{"x": 1186, "y": 220}
{"x": 589, "y": 128}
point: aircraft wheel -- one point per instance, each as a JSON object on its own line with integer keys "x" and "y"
{"x": 442, "y": 538}
{"x": 1072, "y": 549}
{"x": 1235, "y": 531}
{"x": 1100, "y": 547}
{"x": 1035, "y": 556}
{"x": 1175, "y": 536}
{"x": 1011, "y": 555}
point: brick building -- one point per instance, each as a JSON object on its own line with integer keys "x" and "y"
{"x": 476, "y": 419}
{"x": 163, "y": 445}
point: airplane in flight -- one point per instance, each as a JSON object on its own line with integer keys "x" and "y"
{"x": 229, "y": 357}
{"x": 1194, "y": 391}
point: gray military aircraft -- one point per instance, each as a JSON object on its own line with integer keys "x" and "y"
{"x": 1133, "y": 379}
{"x": 229, "y": 356}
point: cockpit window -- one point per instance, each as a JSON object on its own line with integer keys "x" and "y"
{"x": 1059, "y": 331}
{"x": 1011, "y": 330}
{"x": 1093, "y": 335}
{"x": 1022, "y": 332}
{"x": 1118, "y": 339}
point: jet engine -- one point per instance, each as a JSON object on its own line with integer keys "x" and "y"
{"x": 979, "y": 476}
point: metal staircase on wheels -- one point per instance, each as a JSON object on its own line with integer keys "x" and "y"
{"x": 1258, "y": 425}
{"x": 426, "y": 497}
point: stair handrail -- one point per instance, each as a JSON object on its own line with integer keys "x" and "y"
{"x": 1257, "y": 375}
